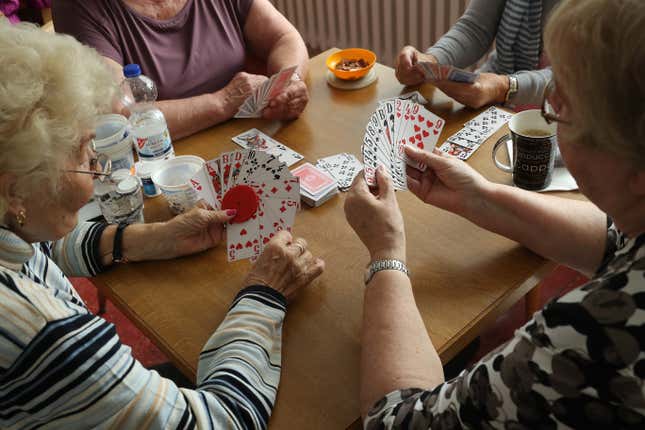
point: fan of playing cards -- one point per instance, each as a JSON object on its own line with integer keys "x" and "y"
{"x": 260, "y": 188}
{"x": 397, "y": 123}
{"x": 256, "y": 102}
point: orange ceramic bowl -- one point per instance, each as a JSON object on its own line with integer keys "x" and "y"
{"x": 351, "y": 54}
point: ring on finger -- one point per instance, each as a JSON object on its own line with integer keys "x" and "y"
{"x": 300, "y": 246}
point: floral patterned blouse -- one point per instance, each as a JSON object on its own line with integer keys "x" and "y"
{"x": 579, "y": 363}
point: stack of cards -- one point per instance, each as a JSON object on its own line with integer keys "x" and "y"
{"x": 475, "y": 132}
{"x": 440, "y": 72}
{"x": 396, "y": 124}
{"x": 255, "y": 139}
{"x": 256, "y": 102}
{"x": 342, "y": 167}
{"x": 260, "y": 188}
{"x": 316, "y": 185}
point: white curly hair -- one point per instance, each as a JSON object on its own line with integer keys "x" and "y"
{"x": 597, "y": 51}
{"x": 51, "y": 92}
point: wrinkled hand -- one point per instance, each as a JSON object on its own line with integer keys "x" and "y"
{"x": 377, "y": 219}
{"x": 194, "y": 231}
{"x": 289, "y": 104}
{"x": 406, "y": 68}
{"x": 448, "y": 183}
{"x": 285, "y": 265}
{"x": 240, "y": 88}
{"x": 488, "y": 89}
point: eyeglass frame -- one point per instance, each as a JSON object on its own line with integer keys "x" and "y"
{"x": 550, "y": 118}
{"x": 106, "y": 167}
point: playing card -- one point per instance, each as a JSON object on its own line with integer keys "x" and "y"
{"x": 256, "y": 102}
{"x": 413, "y": 96}
{"x": 489, "y": 121}
{"x": 343, "y": 167}
{"x": 456, "y": 150}
{"x": 462, "y": 76}
{"x": 250, "y": 181}
{"x": 314, "y": 181}
{"x": 255, "y": 139}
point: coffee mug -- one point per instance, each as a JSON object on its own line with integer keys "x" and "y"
{"x": 534, "y": 147}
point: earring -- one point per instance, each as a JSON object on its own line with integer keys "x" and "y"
{"x": 21, "y": 218}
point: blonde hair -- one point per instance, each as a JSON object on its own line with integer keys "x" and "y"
{"x": 597, "y": 50}
{"x": 52, "y": 90}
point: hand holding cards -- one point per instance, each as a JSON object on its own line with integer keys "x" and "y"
{"x": 255, "y": 103}
{"x": 260, "y": 188}
{"x": 396, "y": 124}
{"x": 435, "y": 72}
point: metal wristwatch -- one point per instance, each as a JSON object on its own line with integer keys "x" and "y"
{"x": 379, "y": 265}
{"x": 512, "y": 88}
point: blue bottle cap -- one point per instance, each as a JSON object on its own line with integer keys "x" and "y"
{"x": 131, "y": 71}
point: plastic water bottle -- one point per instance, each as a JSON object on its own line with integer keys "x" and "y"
{"x": 120, "y": 198}
{"x": 149, "y": 127}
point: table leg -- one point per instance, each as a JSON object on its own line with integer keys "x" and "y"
{"x": 101, "y": 298}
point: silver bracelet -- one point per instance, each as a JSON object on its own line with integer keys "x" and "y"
{"x": 380, "y": 265}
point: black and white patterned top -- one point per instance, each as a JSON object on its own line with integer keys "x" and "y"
{"x": 579, "y": 363}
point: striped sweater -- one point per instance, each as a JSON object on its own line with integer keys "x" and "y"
{"x": 63, "y": 367}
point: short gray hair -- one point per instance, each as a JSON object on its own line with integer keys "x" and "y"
{"x": 597, "y": 50}
{"x": 51, "y": 92}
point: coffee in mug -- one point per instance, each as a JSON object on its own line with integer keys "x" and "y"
{"x": 534, "y": 147}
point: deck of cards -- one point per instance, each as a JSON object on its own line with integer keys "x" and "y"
{"x": 256, "y": 102}
{"x": 475, "y": 132}
{"x": 260, "y": 188}
{"x": 342, "y": 167}
{"x": 396, "y": 124}
{"x": 255, "y": 139}
{"x": 435, "y": 72}
{"x": 316, "y": 185}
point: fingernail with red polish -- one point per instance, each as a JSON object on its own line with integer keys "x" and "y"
{"x": 231, "y": 212}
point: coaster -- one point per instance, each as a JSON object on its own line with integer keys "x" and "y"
{"x": 341, "y": 84}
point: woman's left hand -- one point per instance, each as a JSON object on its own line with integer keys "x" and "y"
{"x": 289, "y": 104}
{"x": 192, "y": 232}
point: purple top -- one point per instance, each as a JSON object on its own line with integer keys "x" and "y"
{"x": 197, "y": 51}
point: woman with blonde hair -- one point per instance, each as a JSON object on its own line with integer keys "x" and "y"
{"x": 580, "y": 361}
{"x": 61, "y": 366}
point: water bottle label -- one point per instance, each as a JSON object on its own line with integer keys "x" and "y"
{"x": 154, "y": 146}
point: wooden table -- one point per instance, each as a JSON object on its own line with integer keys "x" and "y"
{"x": 463, "y": 277}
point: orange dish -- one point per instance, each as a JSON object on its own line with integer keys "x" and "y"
{"x": 351, "y": 64}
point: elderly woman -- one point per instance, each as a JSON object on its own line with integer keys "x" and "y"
{"x": 580, "y": 362}
{"x": 61, "y": 366}
{"x": 513, "y": 74}
{"x": 203, "y": 55}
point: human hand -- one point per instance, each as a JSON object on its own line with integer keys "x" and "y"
{"x": 240, "y": 88}
{"x": 377, "y": 219}
{"x": 407, "y": 71}
{"x": 448, "y": 183}
{"x": 192, "y": 232}
{"x": 488, "y": 89}
{"x": 285, "y": 265}
{"x": 289, "y": 104}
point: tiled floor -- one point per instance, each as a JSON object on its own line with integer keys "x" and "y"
{"x": 558, "y": 283}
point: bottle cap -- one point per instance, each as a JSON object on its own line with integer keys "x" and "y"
{"x": 243, "y": 199}
{"x": 131, "y": 71}
{"x": 119, "y": 175}
{"x": 127, "y": 185}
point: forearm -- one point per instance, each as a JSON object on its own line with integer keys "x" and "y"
{"x": 472, "y": 36}
{"x": 568, "y": 231}
{"x": 288, "y": 51}
{"x": 140, "y": 242}
{"x": 190, "y": 115}
{"x": 530, "y": 86}
{"x": 396, "y": 349}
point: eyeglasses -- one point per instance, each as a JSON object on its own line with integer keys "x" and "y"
{"x": 100, "y": 167}
{"x": 551, "y": 105}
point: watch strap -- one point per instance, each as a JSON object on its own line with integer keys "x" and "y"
{"x": 380, "y": 265}
{"x": 117, "y": 249}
